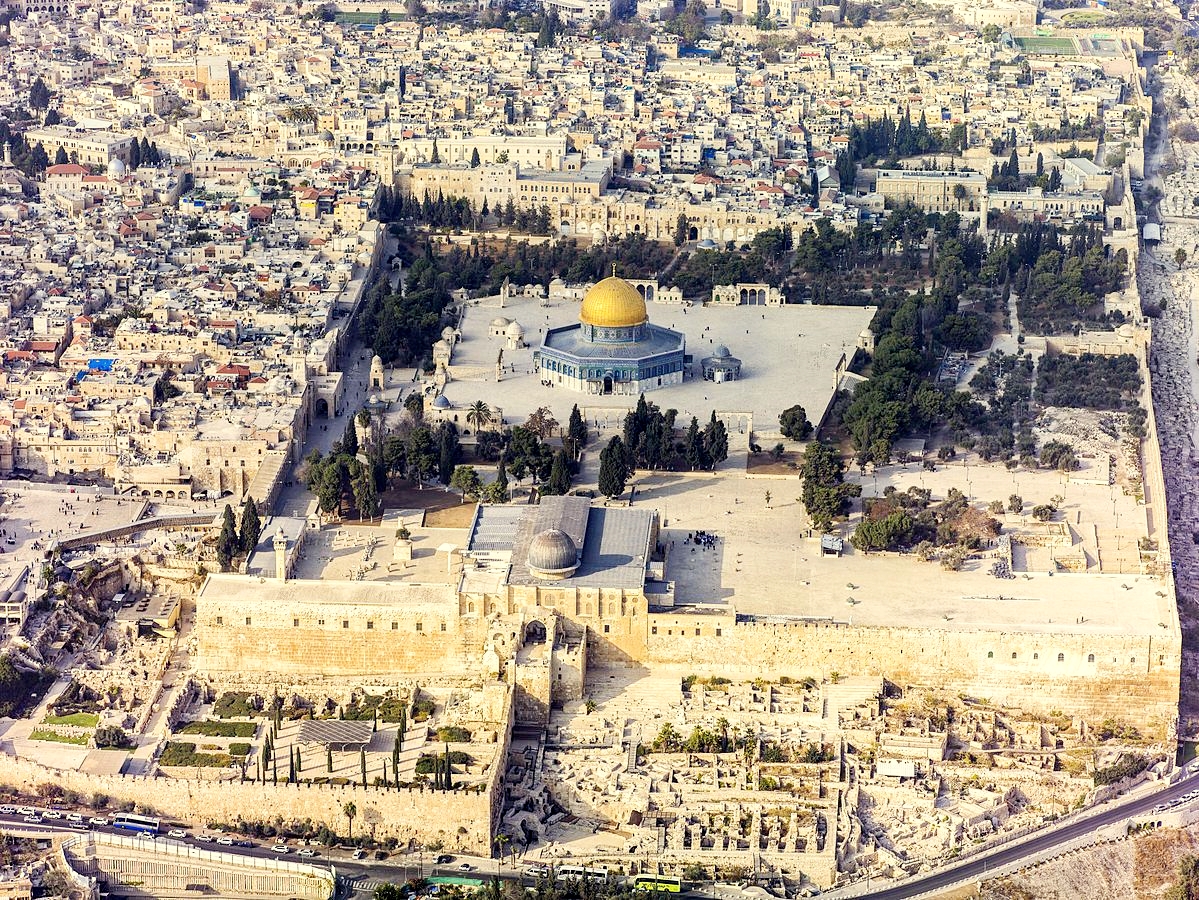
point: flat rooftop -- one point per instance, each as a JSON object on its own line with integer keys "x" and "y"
{"x": 241, "y": 588}
{"x": 788, "y": 355}
{"x": 615, "y": 541}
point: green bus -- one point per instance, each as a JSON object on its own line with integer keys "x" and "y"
{"x": 659, "y": 884}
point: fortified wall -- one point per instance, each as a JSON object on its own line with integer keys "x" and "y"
{"x": 334, "y": 628}
{"x": 463, "y": 819}
{"x": 1129, "y": 677}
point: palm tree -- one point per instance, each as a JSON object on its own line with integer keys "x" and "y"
{"x": 350, "y": 809}
{"x": 500, "y": 841}
{"x": 479, "y": 415}
{"x": 722, "y": 725}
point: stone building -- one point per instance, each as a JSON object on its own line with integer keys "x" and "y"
{"x": 614, "y": 349}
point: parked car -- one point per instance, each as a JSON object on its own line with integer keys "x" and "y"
{"x": 443, "y": 859}
{"x": 177, "y": 833}
{"x": 280, "y": 848}
{"x": 225, "y": 841}
{"x": 97, "y": 820}
{"x": 306, "y": 852}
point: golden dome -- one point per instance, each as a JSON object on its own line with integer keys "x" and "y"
{"x": 613, "y": 303}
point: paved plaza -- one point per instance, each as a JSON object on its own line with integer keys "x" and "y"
{"x": 789, "y": 355}
{"x": 765, "y": 560}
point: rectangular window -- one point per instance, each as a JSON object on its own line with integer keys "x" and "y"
{"x": 697, "y": 632}
{"x": 247, "y": 620}
{"x": 420, "y": 626}
{"x": 443, "y": 626}
{"x": 718, "y": 632}
{"x": 395, "y": 626}
{"x": 607, "y": 628}
{"x": 370, "y": 626}
{"x": 345, "y": 623}
{"x": 220, "y": 620}
{"x": 295, "y": 623}
{"x": 654, "y": 630}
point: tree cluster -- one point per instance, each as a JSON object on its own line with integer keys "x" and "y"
{"x": 401, "y": 326}
{"x": 826, "y": 495}
{"x": 901, "y": 520}
{"x": 1089, "y": 381}
{"x": 1061, "y": 278}
{"x": 888, "y": 140}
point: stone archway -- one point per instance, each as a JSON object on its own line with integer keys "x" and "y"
{"x": 322, "y": 407}
{"x": 607, "y": 384}
{"x": 535, "y": 632}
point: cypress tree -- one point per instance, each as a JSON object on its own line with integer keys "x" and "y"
{"x": 559, "y": 480}
{"x": 329, "y": 759}
{"x": 362, "y": 764}
{"x": 227, "y": 543}
{"x": 613, "y": 472}
{"x": 251, "y": 526}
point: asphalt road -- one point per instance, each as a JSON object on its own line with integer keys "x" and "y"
{"x": 979, "y": 866}
{"x": 397, "y": 867}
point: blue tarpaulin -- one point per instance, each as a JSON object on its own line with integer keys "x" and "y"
{"x": 100, "y": 365}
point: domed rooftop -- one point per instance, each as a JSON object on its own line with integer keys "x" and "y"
{"x": 552, "y": 553}
{"x": 440, "y": 402}
{"x": 116, "y": 167}
{"x": 515, "y": 329}
{"x": 613, "y": 303}
{"x": 721, "y": 351}
{"x": 499, "y": 322}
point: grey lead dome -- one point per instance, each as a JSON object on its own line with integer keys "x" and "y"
{"x": 552, "y": 552}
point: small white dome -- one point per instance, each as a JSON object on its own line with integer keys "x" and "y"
{"x": 116, "y": 167}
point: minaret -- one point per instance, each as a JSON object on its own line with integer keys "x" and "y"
{"x": 280, "y": 543}
{"x": 8, "y": 154}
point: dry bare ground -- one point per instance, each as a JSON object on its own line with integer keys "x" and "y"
{"x": 1141, "y": 868}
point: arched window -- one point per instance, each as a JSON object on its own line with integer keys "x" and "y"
{"x": 1090, "y": 657}
{"x": 1036, "y": 656}
{"x": 1061, "y": 657}
{"x": 990, "y": 654}
{"x": 1013, "y": 655}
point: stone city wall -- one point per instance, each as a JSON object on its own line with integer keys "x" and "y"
{"x": 1132, "y": 678}
{"x": 335, "y": 640}
{"x": 463, "y": 819}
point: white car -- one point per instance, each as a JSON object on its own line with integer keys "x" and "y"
{"x": 145, "y": 835}
{"x": 74, "y": 817}
{"x": 225, "y": 841}
{"x": 280, "y": 848}
{"x": 33, "y": 819}
{"x": 7, "y": 810}
{"x": 52, "y": 814}
{"x": 204, "y": 837}
{"x": 97, "y": 820}
{"x": 177, "y": 833}
{"x": 27, "y": 811}
{"x": 306, "y": 852}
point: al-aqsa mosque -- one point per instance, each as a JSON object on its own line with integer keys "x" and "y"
{"x": 614, "y": 348}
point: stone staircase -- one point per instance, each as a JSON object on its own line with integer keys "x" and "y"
{"x": 846, "y": 694}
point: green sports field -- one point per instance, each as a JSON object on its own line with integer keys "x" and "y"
{"x": 1050, "y": 46}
